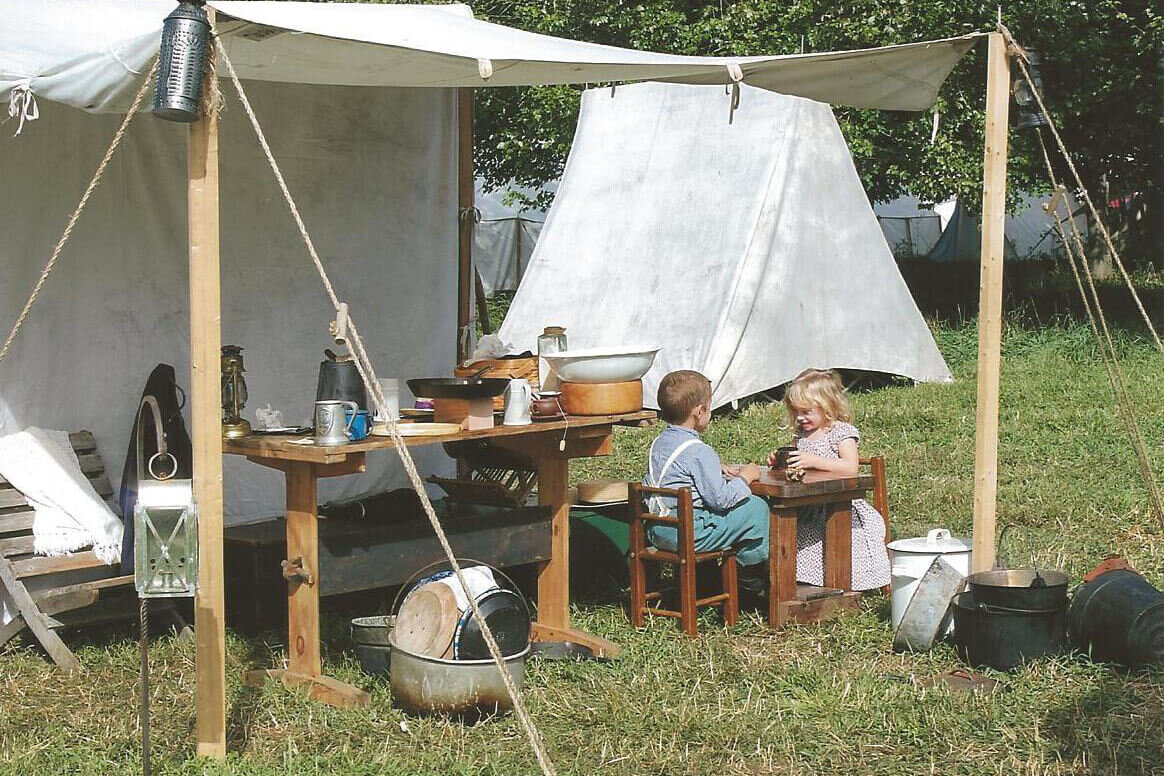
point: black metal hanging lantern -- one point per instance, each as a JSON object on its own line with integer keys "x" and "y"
{"x": 1029, "y": 114}
{"x": 182, "y": 62}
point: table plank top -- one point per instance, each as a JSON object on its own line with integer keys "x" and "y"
{"x": 299, "y": 447}
{"x": 773, "y": 484}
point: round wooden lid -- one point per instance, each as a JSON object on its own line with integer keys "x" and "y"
{"x": 427, "y": 619}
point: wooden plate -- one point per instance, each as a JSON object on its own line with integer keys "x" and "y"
{"x": 602, "y": 491}
{"x": 418, "y": 429}
{"x": 427, "y": 620}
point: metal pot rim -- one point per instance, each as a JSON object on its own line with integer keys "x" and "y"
{"x": 446, "y": 662}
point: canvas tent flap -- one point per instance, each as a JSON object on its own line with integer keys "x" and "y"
{"x": 382, "y": 208}
{"x": 748, "y": 250}
{"x": 91, "y": 49}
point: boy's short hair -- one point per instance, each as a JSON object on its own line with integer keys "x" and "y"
{"x": 682, "y": 391}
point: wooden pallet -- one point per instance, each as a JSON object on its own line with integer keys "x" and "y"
{"x": 51, "y": 593}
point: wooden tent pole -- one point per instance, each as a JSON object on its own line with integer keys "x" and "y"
{"x": 206, "y": 424}
{"x": 990, "y": 302}
{"x": 465, "y": 223}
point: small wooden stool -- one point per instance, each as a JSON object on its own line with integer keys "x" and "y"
{"x": 684, "y": 559}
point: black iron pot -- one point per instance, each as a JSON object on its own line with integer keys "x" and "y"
{"x": 1019, "y": 588}
{"x": 1004, "y": 637}
{"x": 1119, "y": 616}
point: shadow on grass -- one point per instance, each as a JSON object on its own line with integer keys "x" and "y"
{"x": 1116, "y": 726}
{"x": 244, "y": 708}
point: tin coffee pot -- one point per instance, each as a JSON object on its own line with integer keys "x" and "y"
{"x": 331, "y": 427}
{"x": 517, "y": 399}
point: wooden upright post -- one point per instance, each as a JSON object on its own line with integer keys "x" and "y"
{"x": 206, "y": 423}
{"x": 990, "y": 302}
{"x": 465, "y": 223}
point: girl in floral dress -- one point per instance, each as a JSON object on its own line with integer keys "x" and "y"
{"x": 826, "y": 441}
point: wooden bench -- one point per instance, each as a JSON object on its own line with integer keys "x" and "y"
{"x": 51, "y": 593}
{"x": 358, "y": 554}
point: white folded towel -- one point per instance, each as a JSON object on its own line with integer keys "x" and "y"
{"x": 69, "y": 514}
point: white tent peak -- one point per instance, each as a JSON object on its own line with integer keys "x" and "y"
{"x": 747, "y": 251}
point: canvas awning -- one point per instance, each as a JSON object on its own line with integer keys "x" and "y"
{"x": 83, "y": 50}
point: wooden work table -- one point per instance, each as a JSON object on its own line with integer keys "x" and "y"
{"x": 784, "y": 498}
{"x": 550, "y": 444}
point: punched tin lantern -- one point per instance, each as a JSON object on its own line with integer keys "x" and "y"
{"x": 182, "y": 62}
{"x": 1029, "y": 115}
{"x": 165, "y": 540}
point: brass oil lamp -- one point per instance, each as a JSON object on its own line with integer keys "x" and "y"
{"x": 234, "y": 393}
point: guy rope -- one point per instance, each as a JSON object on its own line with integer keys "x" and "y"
{"x": 1091, "y": 303}
{"x": 363, "y": 363}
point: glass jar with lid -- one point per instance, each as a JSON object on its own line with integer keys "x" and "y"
{"x": 551, "y": 340}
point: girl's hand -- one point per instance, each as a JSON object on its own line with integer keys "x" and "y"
{"x": 772, "y": 458}
{"x": 802, "y": 460}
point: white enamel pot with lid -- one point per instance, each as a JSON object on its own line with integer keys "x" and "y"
{"x": 909, "y": 559}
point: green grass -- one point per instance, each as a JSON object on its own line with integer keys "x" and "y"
{"x": 830, "y": 699}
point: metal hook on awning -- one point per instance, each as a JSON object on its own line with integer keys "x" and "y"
{"x": 736, "y": 74}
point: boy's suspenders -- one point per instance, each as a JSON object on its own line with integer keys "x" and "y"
{"x": 655, "y": 503}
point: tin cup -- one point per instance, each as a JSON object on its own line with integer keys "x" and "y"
{"x": 331, "y": 423}
{"x": 782, "y": 454}
{"x": 357, "y": 424}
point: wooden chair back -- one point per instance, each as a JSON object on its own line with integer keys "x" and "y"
{"x": 684, "y": 560}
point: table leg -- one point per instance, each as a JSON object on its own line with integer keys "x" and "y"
{"x": 304, "y": 666}
{"x": 553, "y": 623}
{"x": 781, "y": 562}
{"x": 554, "y": 575}
{"x": 303, "y": 596}
{"x": 838, "y": 546}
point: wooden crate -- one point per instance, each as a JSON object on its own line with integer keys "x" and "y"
{"x": 526, "y": 367}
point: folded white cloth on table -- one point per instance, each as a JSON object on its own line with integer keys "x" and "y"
{"x": 69, "y": 514}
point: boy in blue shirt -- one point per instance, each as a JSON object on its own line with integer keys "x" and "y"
{"x": 726, "y": 514}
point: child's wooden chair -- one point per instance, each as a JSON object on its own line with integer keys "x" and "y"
{"x": 876, "y": 466}
{"x": 684, "y": 560}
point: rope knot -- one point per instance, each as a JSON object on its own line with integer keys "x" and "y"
{"x": 22, "y": 103}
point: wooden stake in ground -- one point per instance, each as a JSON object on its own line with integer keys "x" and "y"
{"x": 206, "y": 424}
{"x": 990, "y": 302}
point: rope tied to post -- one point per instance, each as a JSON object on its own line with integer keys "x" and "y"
{"x": 367, "y": 372}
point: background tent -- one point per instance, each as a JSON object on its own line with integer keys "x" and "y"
{"x": 910, "y": 230}
{"x": 913, "y": 231}
{"x": 746, "y": 250}
{"x": 504, "y": 238}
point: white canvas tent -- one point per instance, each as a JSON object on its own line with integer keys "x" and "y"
{"x": 745, "y": 250}
{"x": 374, "y": 170}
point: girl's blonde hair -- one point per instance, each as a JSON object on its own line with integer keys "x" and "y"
{"x": 818, "y": 388}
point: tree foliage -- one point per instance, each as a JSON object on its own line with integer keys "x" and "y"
{"x": 1102, "y": 78}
